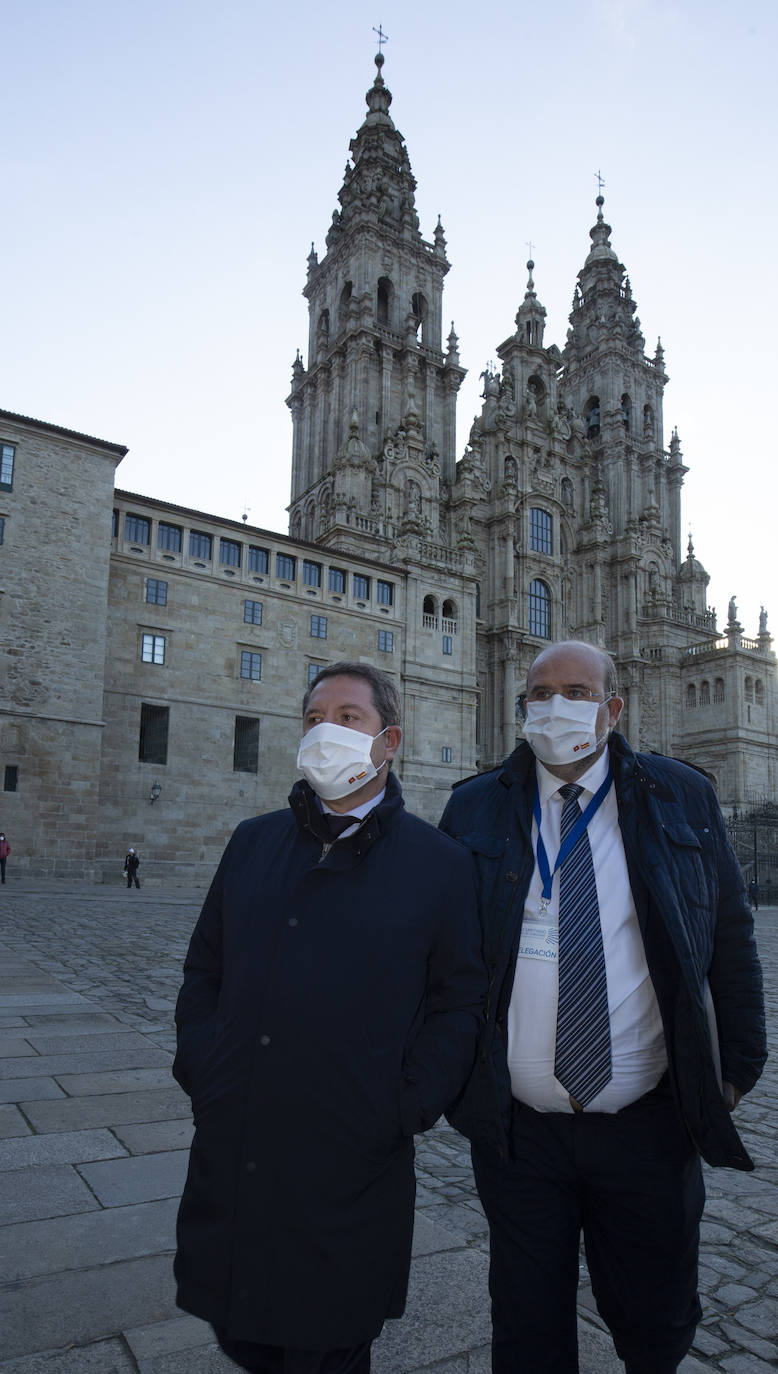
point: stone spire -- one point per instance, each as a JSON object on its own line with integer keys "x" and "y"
{"x": 531, "y": 315}
{"x": 603, "y": 305}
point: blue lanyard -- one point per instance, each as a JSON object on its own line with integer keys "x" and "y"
{"x": 570, "y": 840}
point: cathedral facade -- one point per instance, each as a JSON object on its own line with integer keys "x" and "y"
{"x": 151, "y": 690}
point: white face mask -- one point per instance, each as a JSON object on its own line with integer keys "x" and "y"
{"x": 336, "y": 761}
{"x": 560, "y": 731}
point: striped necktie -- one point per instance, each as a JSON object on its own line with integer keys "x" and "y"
{"x": 583, "y": 1050}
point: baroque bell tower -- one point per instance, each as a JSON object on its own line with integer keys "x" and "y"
{"x": 374, "y": 412}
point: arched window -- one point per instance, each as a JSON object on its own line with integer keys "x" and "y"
{"x": 345, "y": 297}
{"x": 540, "y": 537}
{"x": 718, "y": 690}
{"x": 626, "y": 412}
{"x": 449, "y": 614}
{"x": 759, "y": 692}
{"x": 592, "y": 417}
{"x": 691, "y": 696}
{"x": 749, "y": 689}
{"x": 539, "y": 609}
{"x": 419, "y": 312}
{"x": 705, "y": 693}
{"x": 297, "y": 522}
{"x": 429, "y": 613}
{"x": 383, "y": 301}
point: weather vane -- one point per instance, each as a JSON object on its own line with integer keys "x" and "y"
{"x": 382, "y": 37}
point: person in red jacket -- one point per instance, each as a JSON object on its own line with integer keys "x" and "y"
{"x": 5, "y": 850}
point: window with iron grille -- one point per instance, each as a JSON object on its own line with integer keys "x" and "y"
{"x": 361, "y": 587}
{"x": 245, "y": 750}
{"x": 169, "y": 537}
{"x": 285, "y": 566}
{"x": 386, "y": 641}
{"x": 384, "y": 592}
{"x": 252, "y": 612}
{"x": 319, "y": 626}
{"x": 153, "y": 649}
{"x": 259, "y": 559}
{"x": 229, "y": 553}
{"x": 311, "y": 574}
{"x": 200, "y": 545}
{"x": 540, "y": 530}
{"x": 137, "y": 530}
{"x": 251, "y": 665}
{"x": 539, "y": 609}
{"x": 336, "y": 580}
{"x": 152, "y": 741}
{"x": 7, "y": 454}
{"x": 156, "y": 591}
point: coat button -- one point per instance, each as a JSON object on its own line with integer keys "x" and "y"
{"x": 511, "y": 877}
{"x": 264, "y": 1039}
{"x": 293, "y": 920}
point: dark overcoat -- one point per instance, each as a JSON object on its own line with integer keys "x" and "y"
{"x": 330, "y": 1009}
{"x": 694, "y": 918}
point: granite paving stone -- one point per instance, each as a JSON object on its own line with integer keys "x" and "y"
{"x": 29, "y": 1249}
{"x": 26, "y": 1089}
{"x": 110, "y": 1109}
{"x": 148, "y": 1137}
{"x": 51, "y": 1190}
{"x": 137, "y": 1178}
{"x": 66, "y": 1147}
{"x": 12, "y": 1123}
{"x": 102, "y": 1357}
{"x": 112, "y": 1081}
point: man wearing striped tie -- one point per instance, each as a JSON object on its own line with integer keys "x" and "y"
{"x": 625, "y": 1021}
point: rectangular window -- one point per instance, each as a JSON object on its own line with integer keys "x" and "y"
{"x": 7, "y": 453}
{"x": 319, "y": 626}
{"x": 311, "y": 574}
{"x": 153, "y": 649}
{"x": 252, "y": 612}
{"x": 2, "y": 528}
{"x": 259, "y": 559}
{"x": 336, "y": 580}
{"x": 251, "y": 666}
{"x": 229, "y": 553}
{"x": 540, "y": 530}
{"x": 245, "y": 750}
{"x": 361, "y": 587}
{"x": 285, "y": 566}
{"x": 11, "y": 780}
{"x": 448, "y": 644}
{"x": 445, "y": 754}
{"x": 114, "y": 524}
{"x": 168, "y": 537}
{"x": 386, "y": 641}
{"x": 313, "y": 671}
{"x": 152, "y": 743}
{"x": 384, "y": 592}
{"x": 137, "y": 530}
{"x": 156, "y": 591}
{"x": 200, "y": 545}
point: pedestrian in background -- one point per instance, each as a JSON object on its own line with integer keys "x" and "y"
{"x": 753, "y": 893}
{"x": 5, "y": 850}
{"x": 131, "y": 867}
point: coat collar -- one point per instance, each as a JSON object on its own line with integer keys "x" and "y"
{"x": 302, "y": 800}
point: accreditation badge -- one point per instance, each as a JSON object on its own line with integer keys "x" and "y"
{"x": 539, "y": 939}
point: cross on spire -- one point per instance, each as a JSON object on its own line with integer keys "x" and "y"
{"x": 530, "y": 245}
{"x": 382, "y": 37}
{"x": 600, "y": 182}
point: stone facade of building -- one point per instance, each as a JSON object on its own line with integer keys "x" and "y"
{"x": 152, "y": 684}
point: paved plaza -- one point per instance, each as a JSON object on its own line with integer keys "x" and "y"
{"x": 93, "y": 1147}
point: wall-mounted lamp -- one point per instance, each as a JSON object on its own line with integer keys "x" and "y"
{"x": 156, "y": 788}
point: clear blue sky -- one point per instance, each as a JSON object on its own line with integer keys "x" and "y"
{"x": 166, "y": 165}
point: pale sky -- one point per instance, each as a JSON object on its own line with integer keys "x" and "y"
{"x": 165, "y": 166}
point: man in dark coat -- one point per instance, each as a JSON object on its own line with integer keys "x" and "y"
{"x": 330, "y": 1009}
{"x": 624, "y": 1021}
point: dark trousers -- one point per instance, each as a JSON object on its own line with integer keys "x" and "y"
{"x": 631, "y": 1182}
{"x": 132, "y": 878}
{"x": 2, "y": 870}
{"x": 277, "y": 1359}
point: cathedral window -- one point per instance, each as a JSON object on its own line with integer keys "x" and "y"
{"x": 691, "y": 696}
{"x": 259, "y": 559}
{"x": 137, "y": 530}
{"x": 250, "y": 666}
{"x": 156, "y": 591}
{"x": 169, "y": 537}
{"x": 153, "y": 649}
{"x": 245, "y": 749}
{"x": 429, "y": 613}
{"x": 383, "y": 301}
{"x": 200, "y": 545}
{"x": 448, "y": 644}
{"x": 252, "y": 612}
{"x": 361, "y": 587}
{"x": 718, "y": 690}
{"x": 318, "y": 627}
{"x": 749, "y": 689}
{"x": 626, "y": 412}
{"x": 386, "y": 641}
{"x": 540, "y": 536}
{"x": 229, "y": 553}
{"x": 384, "y": 592}
{"x": 449, "y": 617}
{"x": 345, "y": 297}
{"x": 152, "y": 742}
{"x": 705, "y": 693}
{"x": 592, "y": 417}
{"x": 336, "y": 580}
{"x": 311, "y": 574}
{"x": 759, "y": 696}
{"x": 285, "y": 566}
{"x": 539, "y": 608}
{"x": 419, "y": 312}
{"x": 7, "y": 453}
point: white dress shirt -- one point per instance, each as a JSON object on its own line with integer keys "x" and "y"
{"x": 638, "y": 1053}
